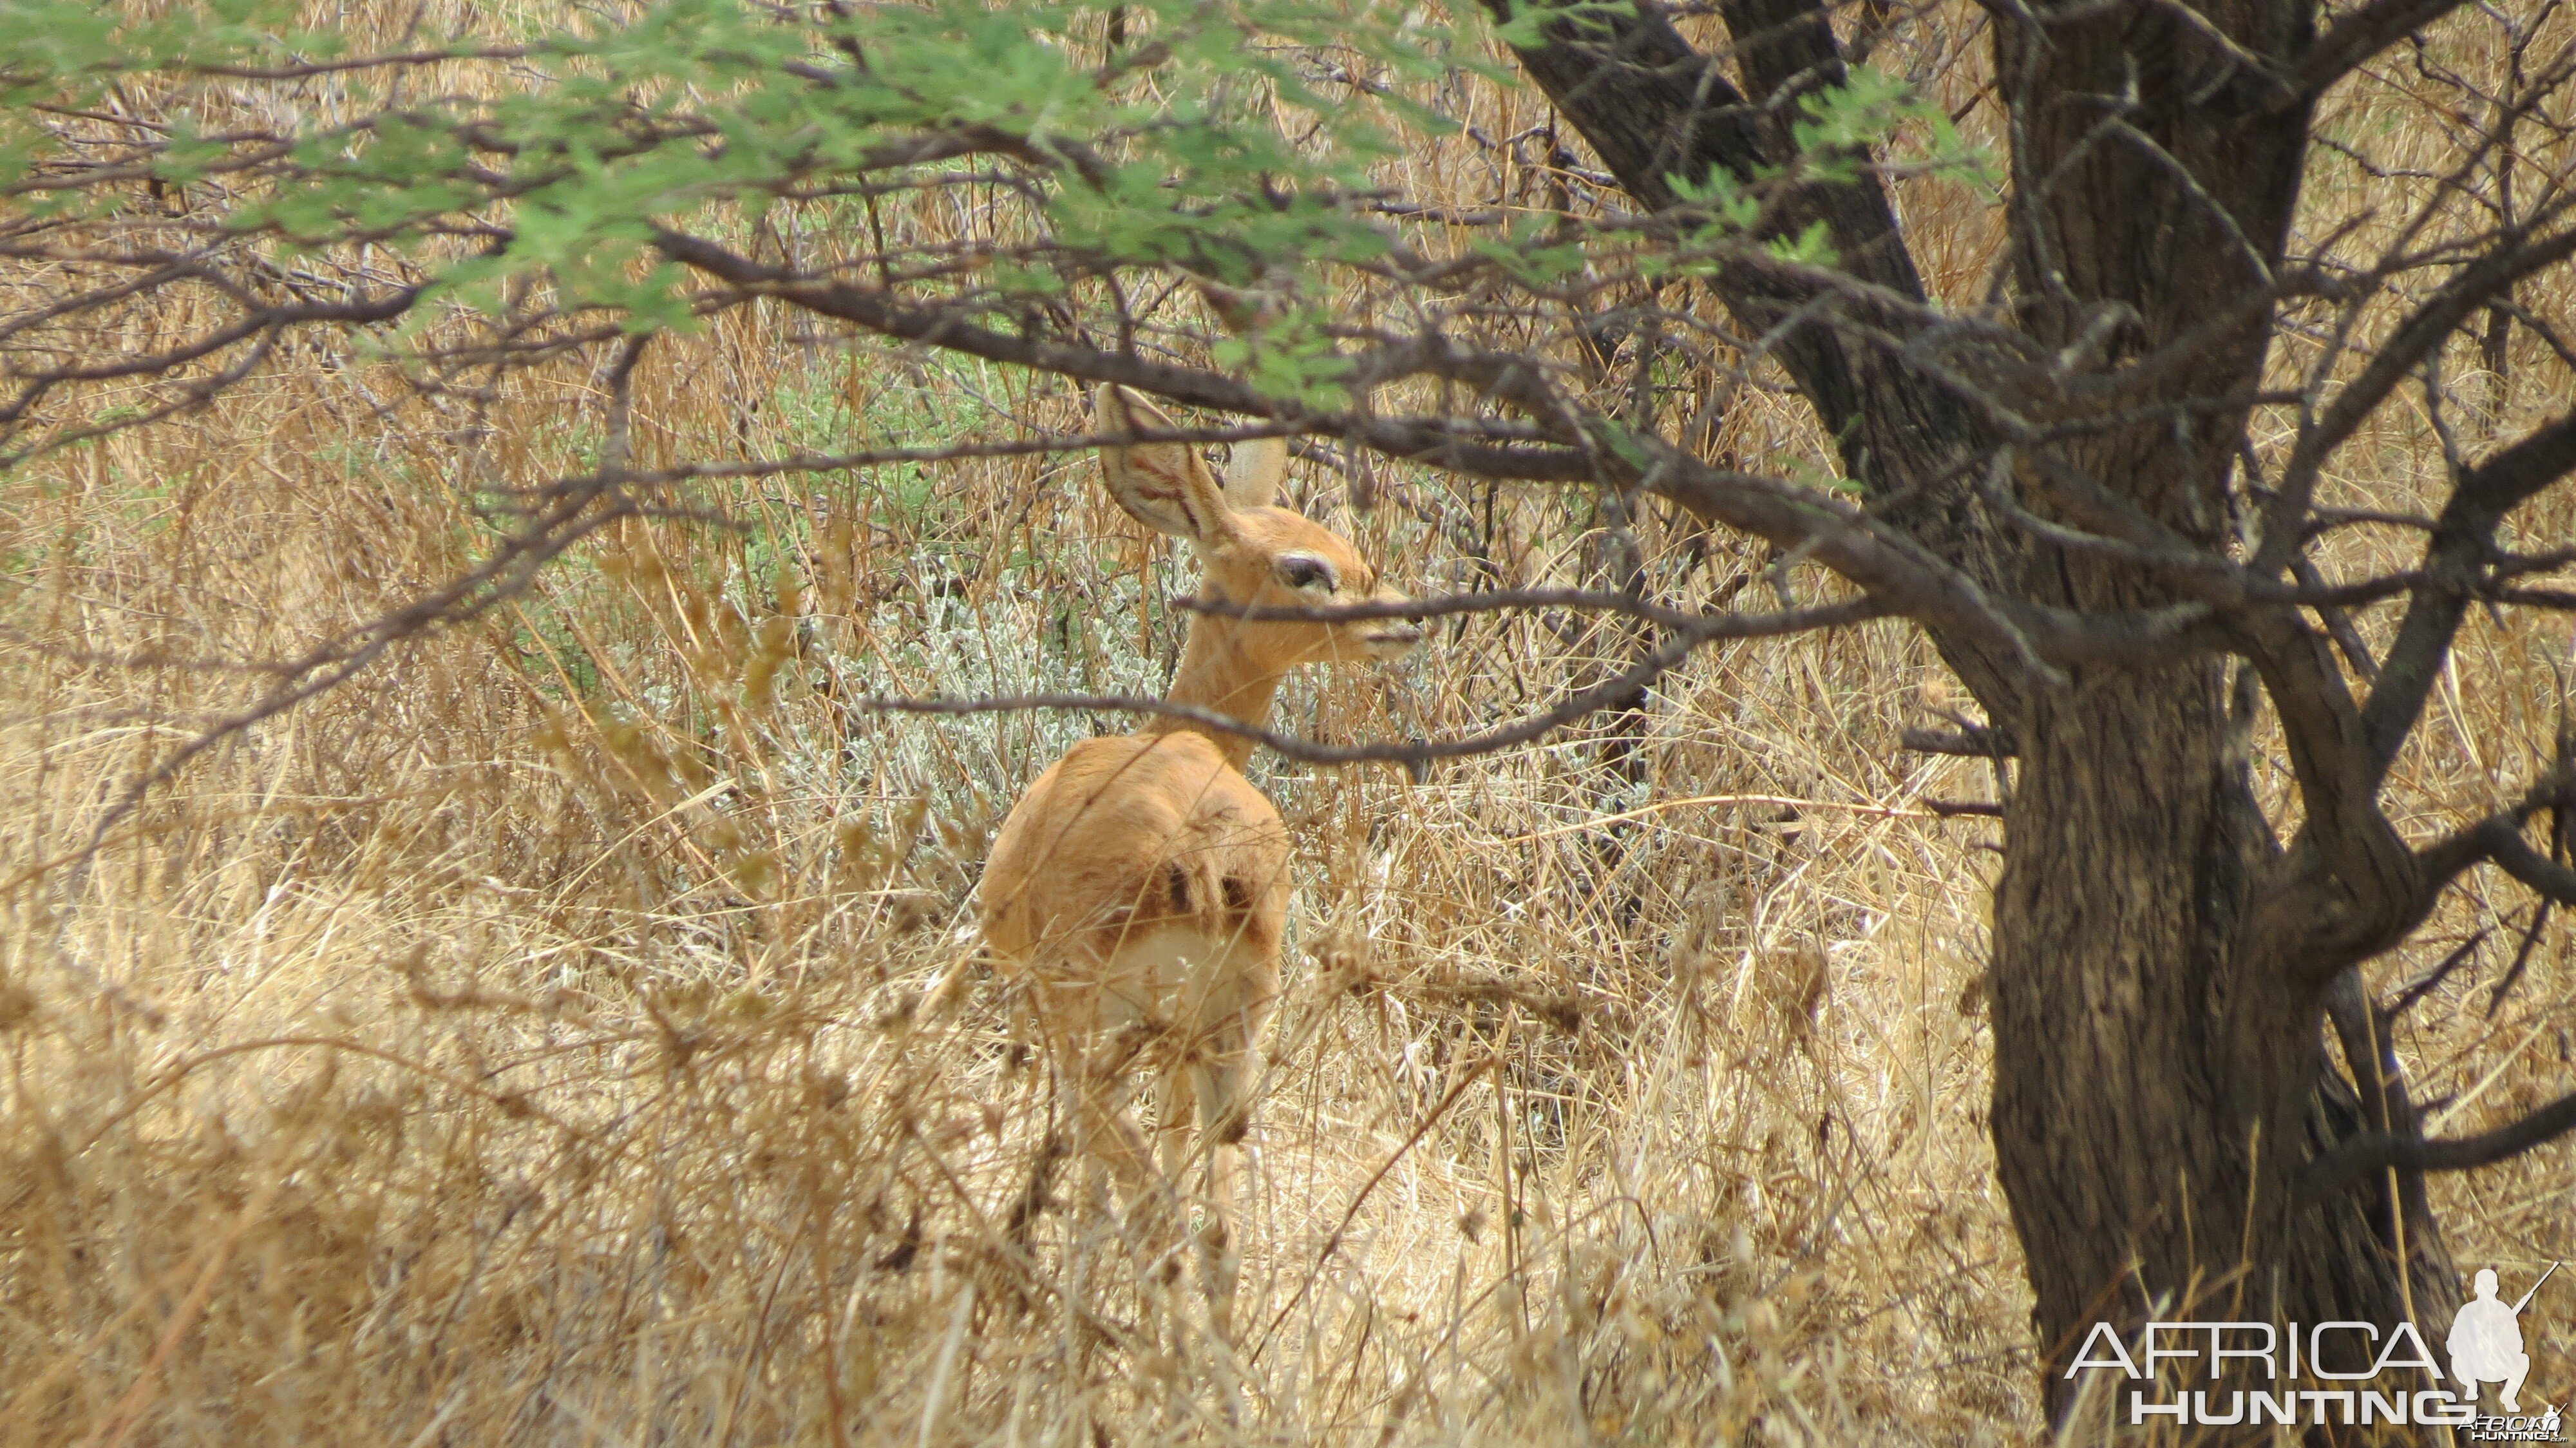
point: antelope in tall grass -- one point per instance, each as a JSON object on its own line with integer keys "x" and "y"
{"x": 1140, "y": 887}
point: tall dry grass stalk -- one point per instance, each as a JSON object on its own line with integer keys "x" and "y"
{"x": 520, "y": 1043}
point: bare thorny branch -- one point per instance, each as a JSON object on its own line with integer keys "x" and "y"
{"x": 1688, "y": 635}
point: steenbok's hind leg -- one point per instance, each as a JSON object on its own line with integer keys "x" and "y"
{"x": 1090, "y": 1061}
{"x": 1177, "y": 1114}
{"x": 1223, "y": 1080}
{"x": 1105, "y": 1125}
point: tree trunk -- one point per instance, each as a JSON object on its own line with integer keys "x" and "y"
{"x": 2161, "y": 1073}
{"x": 2157, "y": 1090}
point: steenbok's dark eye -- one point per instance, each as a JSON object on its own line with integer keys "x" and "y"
{"x": 1297, "y": 570}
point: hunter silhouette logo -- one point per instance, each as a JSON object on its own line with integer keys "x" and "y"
{"x": 2275, "y": 1368}
{"x": 2486, "y": 1341}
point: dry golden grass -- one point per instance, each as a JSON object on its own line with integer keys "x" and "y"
{"x": 519, "y": 1044}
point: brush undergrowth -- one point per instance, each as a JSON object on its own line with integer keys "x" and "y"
{"x": 523, "y": 1042}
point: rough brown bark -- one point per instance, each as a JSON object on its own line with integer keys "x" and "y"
{"x": 2159, "y": 1080}
{"x": 2160, "y": 1068}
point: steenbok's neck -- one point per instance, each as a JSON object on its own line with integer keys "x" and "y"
{"x": 1217, "y": 673}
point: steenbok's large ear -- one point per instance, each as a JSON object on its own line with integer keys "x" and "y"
{"x": 1252, "y": 480}
{"x": 1164, "y": 485}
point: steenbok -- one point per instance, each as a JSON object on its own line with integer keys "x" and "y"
{"x": 1138, "y": 890}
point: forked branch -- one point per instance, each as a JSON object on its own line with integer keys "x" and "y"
{"x": 2347, "y": 1165}
{"x": 2498, "y": 840}
{"x": 2357, "y": 37}
{"x": 2463, "y": 543}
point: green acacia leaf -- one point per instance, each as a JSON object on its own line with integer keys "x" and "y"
{"x": 709, "y": 114}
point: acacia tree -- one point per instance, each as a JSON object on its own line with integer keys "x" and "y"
{"x": 2079, "y": 452}
{"x": 2099, "y": 481}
